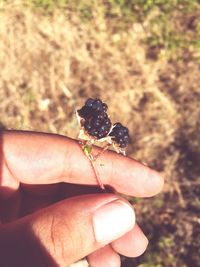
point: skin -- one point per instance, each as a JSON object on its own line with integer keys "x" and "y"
{"x": 49, "y": 197}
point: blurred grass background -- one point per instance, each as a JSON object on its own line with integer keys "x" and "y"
{"x": 142, "y": 58}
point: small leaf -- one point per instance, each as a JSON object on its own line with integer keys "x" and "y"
{"x": 87, "y": 150}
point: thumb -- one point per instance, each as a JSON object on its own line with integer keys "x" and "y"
{"x": 66, "y": 231}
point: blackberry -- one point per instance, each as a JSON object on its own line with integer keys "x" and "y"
{"x": 105, "y": 107}
{"x": 97, "y": 105}
{"x": 96, "y": 121}
{"x": 85, "y": 112}
{"x": 96, "y": 127}
{"x": 120, "y": 135}
{"x": 89, "y": 102}
{"x": 92, "y": 107}
{"x": 102, "y": 116}
{"x": 87, "y": 125}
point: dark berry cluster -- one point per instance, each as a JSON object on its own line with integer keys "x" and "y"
{"x": 120, "y": 135}
{"x": 96, "y": 122}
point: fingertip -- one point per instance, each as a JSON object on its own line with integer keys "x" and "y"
{"x": 148, "y": 183}
{"x": 154, "y": 183}
{"x": 105, "y": 256}
{"x": 141, "y": 244}
{"x": 132, "y": 244}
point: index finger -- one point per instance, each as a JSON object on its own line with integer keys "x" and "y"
{"x": 39, "y": 158}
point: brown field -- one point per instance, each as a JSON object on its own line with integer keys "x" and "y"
{"x": 51, "y": 63}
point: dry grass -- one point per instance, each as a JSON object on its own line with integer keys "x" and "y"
{"x": 51, "y": 63}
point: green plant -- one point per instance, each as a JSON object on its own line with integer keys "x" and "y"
{"x": 46, "y": 4}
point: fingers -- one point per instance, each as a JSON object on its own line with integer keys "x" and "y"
{"x": 65, "y": 232}
{"x": 132, "y": 244}
{"x": 105, "y": 256}
{"x": 36, "y": 158}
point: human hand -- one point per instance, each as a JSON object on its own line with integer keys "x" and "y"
{"x": 51, "y": 216}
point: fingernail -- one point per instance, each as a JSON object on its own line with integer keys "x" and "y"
{"x": 112, "y": 221}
